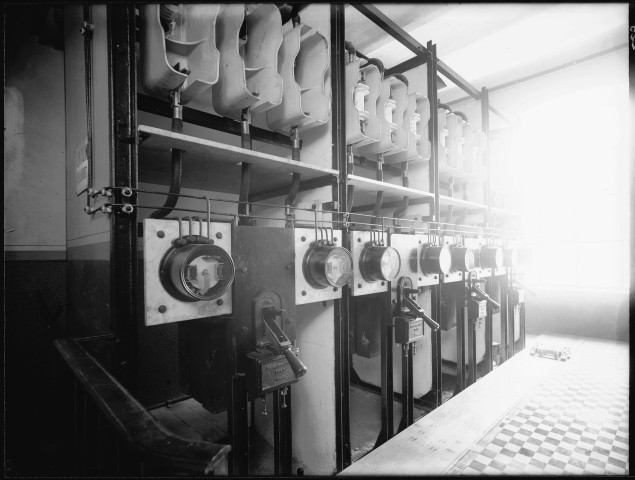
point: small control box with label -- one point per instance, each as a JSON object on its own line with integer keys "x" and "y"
{"x": 268, "y": 371}
{"x": 477, "y": 308}
{"x": 408, "y": 330}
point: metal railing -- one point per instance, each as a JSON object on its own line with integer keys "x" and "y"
{"x": 105, "y": 431}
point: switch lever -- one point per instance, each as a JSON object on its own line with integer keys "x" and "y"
{"x": 484, "y": 296}
{"x": 417, "y": 310}
{"x": 281, "y": 341}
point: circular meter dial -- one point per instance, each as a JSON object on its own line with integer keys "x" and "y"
{"x": 326, "y": 266}
{"x": 379, "y": 263}
{"x": 197, "y": 272}
{"x": 436, "y": 260}
{"x": 491, "y": 257}
{"x": 463, "y": 259}
{"x": 510, "y": 256}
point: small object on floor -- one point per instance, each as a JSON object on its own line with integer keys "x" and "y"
{"x": 557, "y": 353}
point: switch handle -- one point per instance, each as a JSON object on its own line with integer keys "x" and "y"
{"x": 484, "y": 296}
{"x": 417, "y": 310}
{"x": 296, "y": 364}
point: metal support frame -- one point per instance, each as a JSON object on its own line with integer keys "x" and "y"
{"x": 282, "y": 433}
{"x": 471, "y": 351}
{"x": 340, "y": 201}
{"x": 387, "y": 386}
{"x": 407, "y": 393}
{"x": 461, "y": 317}
{"x": 123, "y": 90}
{"x": 504, "y": 353}
{"x": 489, "y": 338}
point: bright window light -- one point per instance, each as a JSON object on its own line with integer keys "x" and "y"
{"x": 572, "y": 164}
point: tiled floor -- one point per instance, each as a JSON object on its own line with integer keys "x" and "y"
{"x": 575, "y": 423}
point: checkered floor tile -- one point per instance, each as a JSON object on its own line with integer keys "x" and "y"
{"x": 577, "y": 423}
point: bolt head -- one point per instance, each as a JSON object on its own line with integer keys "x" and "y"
{"x": 335, "y": 289}
{"x": 359, "y": 240}
{"x": 219, "y": 235}
{"x": 303, "y": 239}
{"x": 162, "y": 308}
{"x": 303, "y": 293}
{"x": 160, "y": 234}
{"x": 359, "y": 285}
{"x": 219, "y": 302}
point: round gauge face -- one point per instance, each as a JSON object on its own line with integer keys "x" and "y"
{"x": 202, "y": 273}
{"x": 338, "y": 267}
{"x": 390, "y": 264}
{"x": 499, "y": 258}
{"x": 445, "y": 260}
{"x": 470, "y": 260}
{"x": 197, "y": 272}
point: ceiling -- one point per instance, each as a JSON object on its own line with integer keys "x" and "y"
{"x": 492, "y": 44}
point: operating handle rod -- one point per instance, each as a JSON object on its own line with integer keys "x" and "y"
{"x": 417, "y": 310}
{"x": 282, "y": 342}
{"x": 484, "y": 296}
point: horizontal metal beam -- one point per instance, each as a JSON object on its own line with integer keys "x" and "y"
{"x": 391, "y": 28}
{"x": 458, "y": 80}
{"x": 403, "y": 67}
{"x": 403, "y": 37}
{"x": 149, "y": 104}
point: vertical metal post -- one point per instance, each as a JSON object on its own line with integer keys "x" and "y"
{"x": 407, "y": 394}
{"x": 387, "y": 388}
{"x": 237, "y": 414}
{"x": 282, "y": 433}
{"x": 522, "y": 326}
{"x": 504, "y": 316}
{"x": 435, "y": 213}
{"x": 485, "y": 128}
{"x": 340, "y": 202}
{"x": 123, "y": 95}
{"x": 489, "y": 339}
{"x": 511, "y": 351}
{"x": 461, "y": 316}
{"x": 471, "y": 350}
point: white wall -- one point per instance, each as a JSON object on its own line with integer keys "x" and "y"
{"x": 34, "y": 150}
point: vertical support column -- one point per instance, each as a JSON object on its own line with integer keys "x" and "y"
{"x": 504, "y": 354}
{"x": 511, "y": 322}
{"x": 461, "y": 316}
{"x": 387, "y": 387}
{"x": 522, "y": 326}
{"x": 340, "y": 202}
{"x": 123, "y": 105}
{"x": 471, "y": 350}
{"x": 489, "y": 337}
{"x": 485, "y": 128}
{"x": 282, "y": 433}
{"x": 407, "y": 394}
{"x": 433, "y": 134}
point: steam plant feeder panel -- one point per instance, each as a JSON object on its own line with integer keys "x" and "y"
{"x": 188, "y": 281}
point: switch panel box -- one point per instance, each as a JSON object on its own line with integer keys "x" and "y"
{"x": 477, "y": 308}
{"x": 408, "y": 330}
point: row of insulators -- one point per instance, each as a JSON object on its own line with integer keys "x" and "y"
{"x": 461, "y": 146}
{"x": 243, "y": 55}
{"x": 383, "y": 117}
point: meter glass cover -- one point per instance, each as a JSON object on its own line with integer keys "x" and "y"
{"x": 202, "y": 273}
{"x": 338, "y": 267}
{"x": 445, "y": 260}
{"x": 390, "y": 264}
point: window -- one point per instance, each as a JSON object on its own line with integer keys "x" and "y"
{"x": 573, "y": 168}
